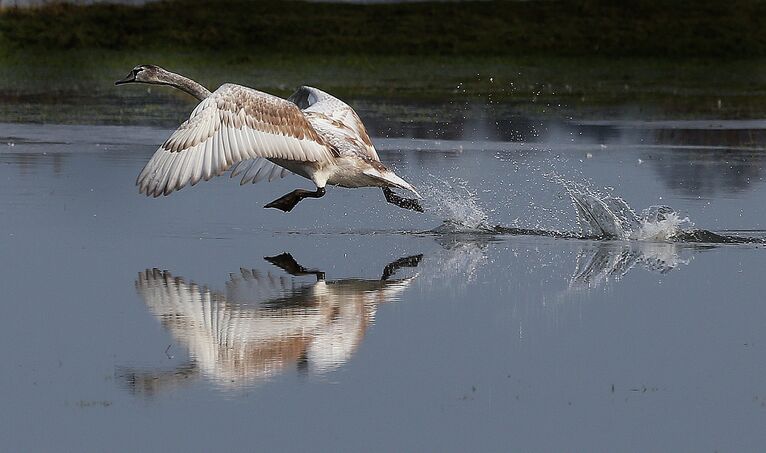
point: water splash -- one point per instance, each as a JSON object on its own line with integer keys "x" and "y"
{"x": 457, "y": 205}
{"x": 608, "y": 216}
{"x": 599, "y": 214}
{"x": 660, "y": 223}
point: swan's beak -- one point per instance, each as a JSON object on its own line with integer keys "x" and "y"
{"x": 128, "y": 79}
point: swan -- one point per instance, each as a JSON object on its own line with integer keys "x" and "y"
{"x": 260, "y": 136}
{"x": 263, "y": 323}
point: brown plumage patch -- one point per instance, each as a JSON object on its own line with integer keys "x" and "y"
{"x": 234, "y": 106}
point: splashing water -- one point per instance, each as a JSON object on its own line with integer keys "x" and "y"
{"x": 599, "y": 215}
{"x": 458, "y": 206}
{"x": 611, "y": 217}
{"x": 660, "y": 223}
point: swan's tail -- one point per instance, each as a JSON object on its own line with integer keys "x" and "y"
{"x": 392, "y": 180}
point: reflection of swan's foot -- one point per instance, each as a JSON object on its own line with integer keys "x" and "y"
{"x": 287, "y": 263}
{"x": 407, "y": 261}
{"x": 287, "y": 202}
{"x": 406, "y": 203}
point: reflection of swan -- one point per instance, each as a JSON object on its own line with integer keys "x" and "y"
{"x": 263, "y": 323}
{"x": 612, "y": 260}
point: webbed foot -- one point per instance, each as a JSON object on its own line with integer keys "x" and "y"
{"x": 406, "y": 203}
{"x": 287, "y": 202}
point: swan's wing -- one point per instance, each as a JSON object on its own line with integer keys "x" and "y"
{"x": 233, "y": 124}
{"x": 335, "y": 120}
{"x": 232, "y": 343}
{"x": 167, "y": 295}
{"x": 250, "y": 288}
{"x": 258, "y": 169}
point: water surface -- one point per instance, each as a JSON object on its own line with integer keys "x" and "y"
{"x": 204, "y": 322}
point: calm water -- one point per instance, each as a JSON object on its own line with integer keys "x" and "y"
{"x": 203, "y": 322}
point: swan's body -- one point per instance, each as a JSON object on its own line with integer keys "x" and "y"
{"x": 264, "y": 137}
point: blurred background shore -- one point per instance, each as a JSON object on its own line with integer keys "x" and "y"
{"x": 570, "y": 59}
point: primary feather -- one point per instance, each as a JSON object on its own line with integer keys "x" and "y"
{"x": 233, "y": 125}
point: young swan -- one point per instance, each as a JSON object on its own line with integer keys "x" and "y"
{"x": 261, "y": 136}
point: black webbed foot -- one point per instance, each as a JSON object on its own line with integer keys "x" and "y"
{"x": 287, "y": 202}
{"x": 407, "y": 261}
{"x": 284, "y": 203}
{"x": 406, "y": 203}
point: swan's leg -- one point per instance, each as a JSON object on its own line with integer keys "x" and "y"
{"x": 407, "y": 261}
{"x": 287, "y": 202}
{"x": 406, "y": 203}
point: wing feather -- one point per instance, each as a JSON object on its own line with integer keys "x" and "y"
{"x": 208, "y": 157}
{"x": 249, "y": 169}
{"x": 234, "y": 124}
{"x": 252, "y": 171}
{"x": 175, "y": 172}
{"x": 200, "y": 160}
{"x": 187, "y": 170}
{"x": 238, "y": 144}
{"x": 157, "y": 177}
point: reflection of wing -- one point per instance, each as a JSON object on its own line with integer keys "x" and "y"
{"x": 230, "y": 344}
{"x": 264, "y": 323}
{"x": 254, "y": 289}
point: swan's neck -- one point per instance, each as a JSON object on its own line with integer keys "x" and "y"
{"x": 185, "y": 84}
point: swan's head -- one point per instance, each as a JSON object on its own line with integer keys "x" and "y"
{"x": 145, "y": 73}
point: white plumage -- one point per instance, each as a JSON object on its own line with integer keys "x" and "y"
{"x": 264, "y": 323}
{"x": 263, "y": 137}
{"x": 234, "y": 124}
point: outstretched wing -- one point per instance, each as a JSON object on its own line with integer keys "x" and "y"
{"x": 232, "y": 125}
{"x": 335, "y": 121}
{"x": 258, "y": 169}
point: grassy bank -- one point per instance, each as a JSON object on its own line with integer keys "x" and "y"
{"x": 683, "y": 59}
{"x": 77, "y": 85}
{"x": 691, "y": 28}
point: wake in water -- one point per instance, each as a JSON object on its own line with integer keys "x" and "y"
{"x": 601, "y": 217}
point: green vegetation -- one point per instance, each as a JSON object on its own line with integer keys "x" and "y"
{"x": 77, "y": 85}
{"x": 735, "y": 28}
{"x": 682, "y": 59}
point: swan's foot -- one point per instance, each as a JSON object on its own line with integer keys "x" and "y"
{"x": 407, "y": 261}
{"x": 406, "y": 203}
{"x": 287, "y": 202}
